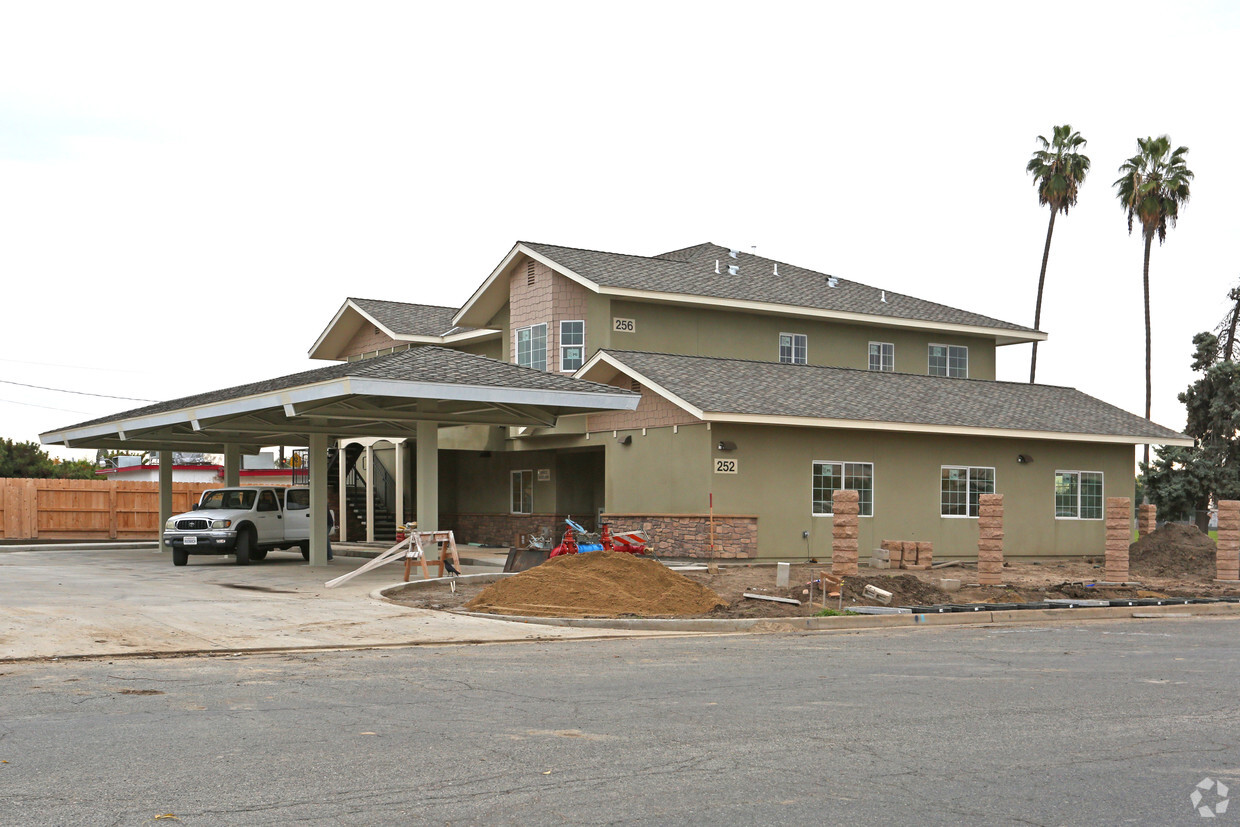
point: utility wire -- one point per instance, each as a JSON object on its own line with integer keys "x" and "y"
{"x": 46, "y": 407}
{"x": 79, "y": 393}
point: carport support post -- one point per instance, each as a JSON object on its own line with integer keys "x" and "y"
{"x": 400, "y": 483}
{"x": 428, "y": 476}
{"x": 344, "y": 500}
{"x": 318, "y": 499}
{"x": 232, "y": 465}
{"x": 165, "y": 494}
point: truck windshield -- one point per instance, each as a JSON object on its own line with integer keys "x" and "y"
{"x": 228, "y": 499}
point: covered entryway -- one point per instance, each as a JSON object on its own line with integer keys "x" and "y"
{"x": 412, "y": 394}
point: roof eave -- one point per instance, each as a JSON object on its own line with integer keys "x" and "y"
{"x": 487, "y": 300}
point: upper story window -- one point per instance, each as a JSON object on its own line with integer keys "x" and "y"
{"x": 949, "y": 360}
{"x": 532, "y": 346}
{"x": 572, "y": 345}
{"x": 882, "y": 356}
{"x": 1078, "y": 495}
{"x": 793, "y": 348}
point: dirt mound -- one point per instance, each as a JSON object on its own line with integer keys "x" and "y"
{"x": 906, "y": 590}
{"x": 597, "y": 584}
{"x": 1172, "y": 550}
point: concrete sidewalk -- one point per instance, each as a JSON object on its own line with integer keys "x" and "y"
{"x": 123, "y": 601}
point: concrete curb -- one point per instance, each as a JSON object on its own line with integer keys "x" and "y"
{"x": 839, "y": 623}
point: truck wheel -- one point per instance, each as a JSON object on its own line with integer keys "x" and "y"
{"x": 179, "y": 556}
{"x": 245, "y": 546}
{"x": 305, "y": 551}
{"x": 260, "y": 554}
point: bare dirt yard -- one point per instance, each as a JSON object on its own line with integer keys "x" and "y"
{"x": 1176, "y": 561}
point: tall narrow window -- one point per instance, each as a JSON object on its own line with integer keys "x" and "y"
{"x": 960, "y": 490}
{"x": 793, "y": 348}
{"x": 1078, "y": 495}
{"x": 949, "y": 360}
{"x": 572, "y": 345}
{"x": 532, "y": 346}
{"x": 882, "y": 356}
{"x": 830, "y": 477}
{"x": 522, "y": 492}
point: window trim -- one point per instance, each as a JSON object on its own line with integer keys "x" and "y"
{"x": 562, "y": 346}
{"x": 948, "y": 366}
{"x": 1079, "y": 490}
{"x": 518, "y": 474}
{"x": 891, "y": 345}
{"x": 843, "y": 474}
{"x": 968, "y": 482}
{"x": 516, "y": 345}
{"x": 804, "y": 337}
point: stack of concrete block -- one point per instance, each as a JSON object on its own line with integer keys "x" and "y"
{"x": 1119, "y": 536}
{"x": 880, "y": 558}
{"x": 1227, "y": 557}
{"x": 844, "y": 542}
{"x": 918, "y": 556}
{"x": 1147, "y": 519}
{"x": 990, "y": 540}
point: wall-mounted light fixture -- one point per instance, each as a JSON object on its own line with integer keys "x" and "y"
{"x": 627, "y": 439}
{"x": 725, "y": 446}
{"x": 1024, "y": 459}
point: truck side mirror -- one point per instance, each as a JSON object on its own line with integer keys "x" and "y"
{"x": 194, "y": 507}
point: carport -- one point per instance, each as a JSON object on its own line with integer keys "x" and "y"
{"x": 413, "y": 393}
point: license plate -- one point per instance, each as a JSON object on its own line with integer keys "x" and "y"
{"x": 191, "y": 541}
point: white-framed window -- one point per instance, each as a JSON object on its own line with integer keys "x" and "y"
{"x": 830, "y": 477}
{"x": 949, "y": 360}
{"x": 882, "y": 356}
{"x": 1078, "y": 495}
{"x": 572, "y": 345}
{"x": 532, "y": 346}
{"x": 522, "y": 492}
{"x": 961, "y": 487}
{"x": 793, "y": 348}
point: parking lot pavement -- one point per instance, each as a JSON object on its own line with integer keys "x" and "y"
{"x": 62, "y": 603}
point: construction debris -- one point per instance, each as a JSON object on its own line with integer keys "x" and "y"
{"x": 771, "y": 598}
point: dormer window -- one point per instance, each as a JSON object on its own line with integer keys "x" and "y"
{"x": 793, "y": 348}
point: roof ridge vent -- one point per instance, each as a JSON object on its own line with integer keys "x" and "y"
{"x": 733, "y": 253}
{"x": 832, "y": 281}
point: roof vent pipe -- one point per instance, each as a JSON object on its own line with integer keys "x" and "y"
{"x": 777, "y": 268}
{"x": 832, "y": 281}
{"x": 883, "y": 296}
{"x": 734, "y": 269}
{"x": 716, "y": 267}
{"x": 733, "y": 253}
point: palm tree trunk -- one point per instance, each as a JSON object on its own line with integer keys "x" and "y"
{"x": 1037, "y": 313}
{"x": 1149, "y": 240}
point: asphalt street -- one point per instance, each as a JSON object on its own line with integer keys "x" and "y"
{"x": 1098, "y": 723}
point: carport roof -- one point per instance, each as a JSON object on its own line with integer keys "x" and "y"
{"x": 384, "y": 396}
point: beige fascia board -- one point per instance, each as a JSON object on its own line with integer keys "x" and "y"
{"x": 913, "y": 427}
{"x": 517, "y": 249}
{"x": 602, "y": 357}
{"x": 1002, "y": 336}
{"x": 454, "y": 339}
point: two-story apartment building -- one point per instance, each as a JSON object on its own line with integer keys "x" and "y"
{"x": 764, "y": 388}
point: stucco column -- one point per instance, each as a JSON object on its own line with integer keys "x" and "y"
{"x": 318, "y": 499}
{"x": 344, "y": 500}
{"x": 165, "y": 494}
{"x": 232, "y": 465}
{"x": 370, "y": 493}
{"x": 400, "y": 482}
{"x": 428, "y": 476}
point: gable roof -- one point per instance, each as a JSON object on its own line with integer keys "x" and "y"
{"x": 688, "y": 276}
{"x": 476, "y": 382}
{"x": 400, "y": 321}
{"x": 737, "y": 390}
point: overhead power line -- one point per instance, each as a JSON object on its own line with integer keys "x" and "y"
{"x": 78, "y": 393}
{"x": 45, "y": 407}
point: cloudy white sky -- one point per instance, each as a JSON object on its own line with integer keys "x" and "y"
{"x": 189, "y": 191}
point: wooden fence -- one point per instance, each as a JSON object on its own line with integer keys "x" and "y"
{"x": 88, "y": 509}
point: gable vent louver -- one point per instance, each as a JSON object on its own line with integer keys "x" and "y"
{"x": 529, "y": 273}
{"x": 635, "y": 386}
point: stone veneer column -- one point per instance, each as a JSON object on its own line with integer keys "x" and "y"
{"x": 844, "y": 543}
{"x": 1119, "y": 537}
{"x": 1227, "y": 557}
{"x": 990, "y": 540}
{"x": 1147, "y": 519}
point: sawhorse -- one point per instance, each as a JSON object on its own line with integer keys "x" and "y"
{"x": 443, "y": 540}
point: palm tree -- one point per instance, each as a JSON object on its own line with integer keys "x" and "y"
{"x": 1152, "y": 186}
{"x": 1058, "y": 170}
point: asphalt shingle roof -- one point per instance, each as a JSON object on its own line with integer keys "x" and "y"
{"x": 420, "y": 364}
{"x": 737, "y": 386}
{"x": 408, "y": 319}
{"x": 691, "y": 271}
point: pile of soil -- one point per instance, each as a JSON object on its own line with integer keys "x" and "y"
{"x": 598, "y": 584}
{"x": 906, "y": 590}
{"x": 1175, "y": 549}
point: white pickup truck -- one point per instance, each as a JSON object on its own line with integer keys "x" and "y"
{"x": 248, "y": 521}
